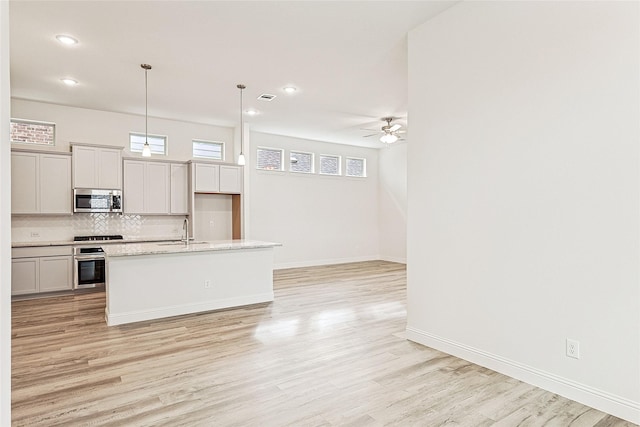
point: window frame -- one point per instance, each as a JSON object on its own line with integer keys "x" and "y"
{"x": 33, "y": 122}
{"x": 150, "y": 135}
{"x": 364, "y": 167}
{"x": 281, "y": 150}
{"x": 335, "y": 156}
{"x": 313, "y": 159}
{"x": 206, "y": 141}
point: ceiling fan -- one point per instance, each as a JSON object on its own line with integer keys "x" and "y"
{"x": 390, "y": 133}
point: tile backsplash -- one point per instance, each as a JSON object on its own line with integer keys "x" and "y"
{"x": 31, "y": 228}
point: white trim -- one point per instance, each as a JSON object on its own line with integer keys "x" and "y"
{"x": 590, "y": 396}
{"x": 178, "y": 310}
{"x": 401, "y": 260}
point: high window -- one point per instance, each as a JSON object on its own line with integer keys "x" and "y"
{"x": 271, "y": 159}
{"x": 300, "y": 162}
{"x": 356, "y": 167}
{"x": 329, "y": 165}
{"x": 33, "y": 132}
{"x": 157, "y": 143}
{"x": 212, "y": 150}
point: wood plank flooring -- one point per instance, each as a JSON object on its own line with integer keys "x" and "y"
{"x": 329, "y": 351}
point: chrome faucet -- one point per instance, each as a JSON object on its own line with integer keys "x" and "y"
{"x": 185, "y": 227}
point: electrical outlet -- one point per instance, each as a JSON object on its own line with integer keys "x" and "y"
{"x": 35, "y": 234}
{"x": 207, "y": 284}
{"x": 573, "y": 348}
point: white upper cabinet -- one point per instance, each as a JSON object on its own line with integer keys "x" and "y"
{"x": 40, "y": 183}
{"x": 212, "y": 178}
{"x": 97, "y": 167}
{"x": 156, "y": 188}
{"x": 207, "y": 178}
{"x": 152, "y": 187}
{"x": 55, "y": 184}
{"x": 230, "y": 179}
{"x": 179, "y": 188}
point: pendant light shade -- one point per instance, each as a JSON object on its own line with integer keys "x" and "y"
{"x": 241, "y": 160}
{"x": 146, "y": 149}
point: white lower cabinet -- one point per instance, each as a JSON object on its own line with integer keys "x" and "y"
{"x": 25, "y": 276}
{"x": 32, "y": 273}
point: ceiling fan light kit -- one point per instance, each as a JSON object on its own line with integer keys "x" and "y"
{"x": 388, "y": 138}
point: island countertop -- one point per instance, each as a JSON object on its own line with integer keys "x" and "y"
{"x": 151, "y": 248}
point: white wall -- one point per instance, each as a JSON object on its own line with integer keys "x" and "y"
{"x": 523, "y": 178}
{"x": 5, "y": 221}
{"x": 106, "y": 128}
{"x": 318, "y": 219}
{"x": 392, "y": 203}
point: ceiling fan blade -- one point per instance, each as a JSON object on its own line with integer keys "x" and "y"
{"x": 395, "y": 127}
{"x": 373, "y": 134}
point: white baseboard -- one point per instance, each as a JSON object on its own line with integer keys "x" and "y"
{"x": 394, "y": 259}
{"x": 177, "y": 310}
{"x": 598, "y": 399}
{"x": 313, "y": 263}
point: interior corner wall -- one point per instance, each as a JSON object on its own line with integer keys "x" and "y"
{"x": 108, "y": 128}
{"x": 523, "y": 193}
{"x": 392, "y": 199}
{"x": 5, "y": 221}
{"x": 319, "y": 219}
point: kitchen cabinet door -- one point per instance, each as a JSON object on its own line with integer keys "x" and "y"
{"x": 55, "y": 184}
{"x": 156, "y": 188}
{"x": 25, "y": 275}
{"x": 133, "y": 193}
{"x": 96, "y": 167}
{"x": 110, "y": 172}
{"x": 85, "y": 167}
{"x": 179, "y": 189}
{"x": 56, "y": 274}
{"x": 207, "y": 178}
{"x": 230, "y": 179}
{"x": 25, "y": 178}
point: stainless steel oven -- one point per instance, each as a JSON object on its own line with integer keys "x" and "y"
{"x": 89, "y": 267}
{"x": 89, "y": 261}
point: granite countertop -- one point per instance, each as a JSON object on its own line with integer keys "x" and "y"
{"x": 94, "y": 242}
{"x": 181, "y": 247}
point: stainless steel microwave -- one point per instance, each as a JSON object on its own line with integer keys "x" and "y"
{"x": 86, "y": 200}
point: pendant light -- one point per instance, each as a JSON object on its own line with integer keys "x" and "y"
{"x": 241, "y": 159}
{"x": 146, "y": 150}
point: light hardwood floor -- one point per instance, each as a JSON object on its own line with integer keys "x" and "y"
{"x": 329, "y": 351}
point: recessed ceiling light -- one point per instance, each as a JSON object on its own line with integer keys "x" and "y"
{"x": 68, "y": 40}
{"x": 251, "y": 112}
{"x": 69, "y": 82}
{"x": 290, "y": 89}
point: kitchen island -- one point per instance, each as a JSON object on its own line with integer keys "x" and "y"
{"x": 154, "y": 280}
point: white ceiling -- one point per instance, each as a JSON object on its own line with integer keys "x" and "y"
{"x": 348, "y": 59}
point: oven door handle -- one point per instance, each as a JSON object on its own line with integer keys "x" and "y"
{"x": 89, "y": 258}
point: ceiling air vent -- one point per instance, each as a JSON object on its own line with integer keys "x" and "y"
{"x": 266, "y": 97}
